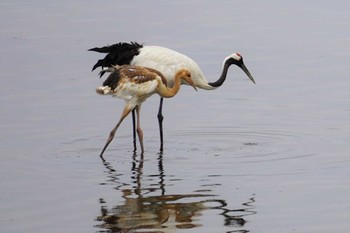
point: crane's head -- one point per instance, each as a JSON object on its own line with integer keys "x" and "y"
{"x": 186, "y": 76}
{"x": 237, "y": 59}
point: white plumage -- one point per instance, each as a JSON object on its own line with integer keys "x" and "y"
{"x": 168, "y": 62}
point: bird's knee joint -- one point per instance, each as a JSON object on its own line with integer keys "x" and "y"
{"x": 160, "y": 117}
{"x": 111, "y": 134}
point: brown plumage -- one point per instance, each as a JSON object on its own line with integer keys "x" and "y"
{"x": 135, "y": 84}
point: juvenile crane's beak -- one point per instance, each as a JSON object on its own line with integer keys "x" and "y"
{"x": 194, "y": 87}
{"x": 192, "y": 84}
{"x": 246, "y": 71}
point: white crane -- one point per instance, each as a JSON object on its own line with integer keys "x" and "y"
{"x": 168, "y": 62}
{"x": 135, "y": 84}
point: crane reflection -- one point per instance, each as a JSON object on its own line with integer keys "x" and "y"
{"x": 152, "y": 210}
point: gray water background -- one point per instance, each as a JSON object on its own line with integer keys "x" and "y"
{"x": 270, "y": 157}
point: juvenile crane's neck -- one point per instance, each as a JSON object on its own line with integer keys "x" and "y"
{"x": 167, "y": 92}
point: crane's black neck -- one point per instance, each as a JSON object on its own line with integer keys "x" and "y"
{"x": 223, "y": 75}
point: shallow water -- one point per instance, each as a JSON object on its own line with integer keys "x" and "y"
{"x": 270, "y": 157}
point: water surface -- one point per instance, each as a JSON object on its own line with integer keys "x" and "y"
{"x": 270, "y": 157}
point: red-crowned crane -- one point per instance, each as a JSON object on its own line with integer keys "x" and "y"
{"x": 135, "y": 84}
{"x": 168, "y": 62}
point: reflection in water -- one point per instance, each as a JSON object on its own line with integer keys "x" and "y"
{"x": 142, "y": 210}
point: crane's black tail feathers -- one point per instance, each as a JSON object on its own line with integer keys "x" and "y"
{"x": 110, "y": 83}
{"x": 102, "y": 72}
{"x": 112, "y": 80}
{"x": 117, "y": 54}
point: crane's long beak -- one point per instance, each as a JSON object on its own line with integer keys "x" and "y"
{"x": 246, "y": 71}
{"x": 191, "y": 83}
{"x": 194, "y": 87}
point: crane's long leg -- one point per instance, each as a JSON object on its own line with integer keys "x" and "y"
{"x": 139, "y": 130}
{"x": 125, "y": 112}
{"x": 134, "y": 130}
{"x": 160, "y": 121}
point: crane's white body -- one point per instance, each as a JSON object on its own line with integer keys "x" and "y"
{"x": 168, "y": 62}
{"x": 129, "y": 91}
{"x": 133, "y": 93}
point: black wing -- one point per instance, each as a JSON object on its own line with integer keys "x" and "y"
{"x": 118, "y": 54}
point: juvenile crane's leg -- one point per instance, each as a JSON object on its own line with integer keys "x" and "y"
{"x": 139, "y": 130}
{"x": 160, "y": 121}
{"x": 134, "y": 129}
{"x": 125, "y": 112}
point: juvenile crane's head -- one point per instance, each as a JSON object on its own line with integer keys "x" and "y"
{"x": 237, "y": 59}
{"x": 186, "y": 76}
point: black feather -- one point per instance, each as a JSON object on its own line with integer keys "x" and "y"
{"x": 118, "y": 54}
{"x": 98, "y": 64}
{"x": 104, "y": 49}
{"x": 112, "y": 80}
{"x": 102, "y": 72}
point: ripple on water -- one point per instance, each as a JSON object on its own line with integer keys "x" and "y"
{"x": 259, "y": 144}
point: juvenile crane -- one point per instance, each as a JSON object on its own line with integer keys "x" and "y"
{"x": 135, "y": 84}
{"x": 168, "y": 62}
